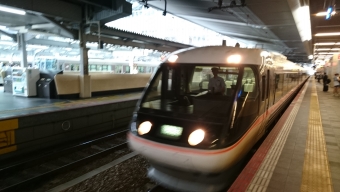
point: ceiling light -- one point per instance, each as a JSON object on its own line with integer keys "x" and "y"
{"x": 326, "y": 53}
{"x": 328, "y": 43}
{"x": 302, "y": 20}
{"x": 11, "y": 10}
{"x": 7, "y": 43}
{"x": 324, "y": 14}
{"x": 327, "y": 49}
{"x": 328, "y": 34}
{"x": 37, "y": 46}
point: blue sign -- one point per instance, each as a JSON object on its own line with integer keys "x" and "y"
{"x": 329, "y": 13}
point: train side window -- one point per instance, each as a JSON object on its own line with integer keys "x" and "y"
{"x": 263, "y": 88}
{"x": 248, "y": 83}
{"x": 118, "y": 69}
{"x": 127, "y": 69}
{"x": 267, "y": 92}
{"x": 247, "y": 103}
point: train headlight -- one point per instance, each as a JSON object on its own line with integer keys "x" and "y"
{"x": 264, "y": 54}
{"x": 234, "y": 59}
{"x": 196, "y": 137}
{"x": 144, "y": 127}
{"x": 173, "y": 58}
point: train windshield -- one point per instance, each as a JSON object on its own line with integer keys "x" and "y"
{"x": 205, "y": 91}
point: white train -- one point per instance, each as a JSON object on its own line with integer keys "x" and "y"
{"x": 95, "y": 65}
{"x": 193, "y": 137}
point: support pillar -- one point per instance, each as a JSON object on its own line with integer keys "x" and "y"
{"x": 22, "y": 48}
{"x": 84, "y": 77}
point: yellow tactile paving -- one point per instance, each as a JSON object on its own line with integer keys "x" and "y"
{"x": 7, "y": 135}
{"x": 316, "y": 175}
{"x": 263, "y": 176}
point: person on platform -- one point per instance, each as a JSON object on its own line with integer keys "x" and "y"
{"x": 324, "y": 79}
{"x": 319, "y": 76}
{"x": 336, "y": 84}
{"x": 216, "y": 84}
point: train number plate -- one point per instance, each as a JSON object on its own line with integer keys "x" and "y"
{"x": 171, "y": 131}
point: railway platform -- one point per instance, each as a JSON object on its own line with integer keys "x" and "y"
{"x": 302, "y": 152}
{"x": 17, "y": 106}
{"x": 31, "y": 124}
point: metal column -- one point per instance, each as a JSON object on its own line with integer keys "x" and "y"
{"x": 84, "y": 78}
{"x": 22, "y": 48}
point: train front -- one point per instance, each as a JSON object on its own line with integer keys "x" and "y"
{"x": 186, "y": 130}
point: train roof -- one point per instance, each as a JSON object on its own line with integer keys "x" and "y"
{"x": 217, "y": 55}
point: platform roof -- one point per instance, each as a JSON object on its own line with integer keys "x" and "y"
{"x": 268, "y": 24}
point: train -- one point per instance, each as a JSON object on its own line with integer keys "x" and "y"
{"x": 192, "y": 136}
{"x": 69, "y": 64}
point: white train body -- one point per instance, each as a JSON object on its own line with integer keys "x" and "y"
{"x": 257, "y": 88}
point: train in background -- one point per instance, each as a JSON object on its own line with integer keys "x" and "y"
{"x": 98, "y": 65}
{"x": 94, "y": 65}
{"x": 192, "y": 137}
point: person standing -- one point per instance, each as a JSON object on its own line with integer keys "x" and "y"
{"x": 324, "y": 78}
{"x": 216, "y": 84}
{"x": 336, "y": 84}
{"x": 325, "y": 82}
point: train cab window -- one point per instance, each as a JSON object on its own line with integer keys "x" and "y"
{"x": 161, "y": 83}
{"x": 183, "y": 88}
{"x": 247, "y": 105}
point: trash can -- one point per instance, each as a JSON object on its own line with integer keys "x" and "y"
{"x": 8, "y": 82}
{"x": 45, "y": 85}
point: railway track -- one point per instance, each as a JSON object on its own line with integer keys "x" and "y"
{"x": 27, "y": 174}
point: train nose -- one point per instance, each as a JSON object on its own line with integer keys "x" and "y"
{"x": 166, "y": 157}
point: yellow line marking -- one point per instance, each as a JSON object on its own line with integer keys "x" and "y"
{"x": 10, "y": 124}
{"x": 316, "y": 175}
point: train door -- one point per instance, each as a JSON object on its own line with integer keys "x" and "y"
{"x": 265, "y": 97}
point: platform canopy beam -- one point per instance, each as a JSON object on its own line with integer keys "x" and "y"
{"x": 55, "y": 8}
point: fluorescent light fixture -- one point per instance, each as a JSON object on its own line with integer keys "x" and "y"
{"x": 328, "y": 34}
{"x": 11, "y": 10}
{"x": 7, "y": 43}
{"x": 302, "y": 21}
{"x": 93, "y": 45}
{"x": 328, "y": 43}
{"x": 327, "y": 53}
{"x": 327, "y": 49}
{"x": 324, "y": 13}
{"x": 37, "y": 46}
